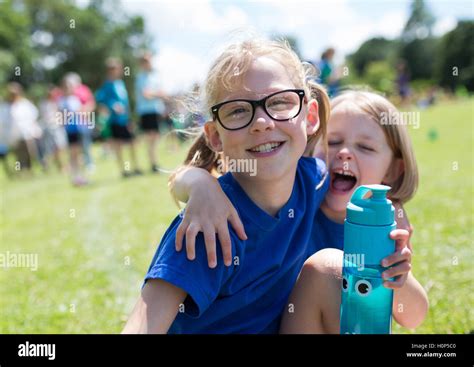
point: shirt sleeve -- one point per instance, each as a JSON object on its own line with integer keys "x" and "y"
{"x": 201, "y": 283}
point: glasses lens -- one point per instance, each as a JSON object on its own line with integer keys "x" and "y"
{"x": 284, "y": 105}
{"x": 235, "y": 114}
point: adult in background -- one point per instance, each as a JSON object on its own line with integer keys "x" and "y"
{"x": 20, "y": 131}
{"x": 150, "y": 106}
{"x": 112, "y": 98}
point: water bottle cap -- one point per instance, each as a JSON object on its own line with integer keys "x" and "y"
{"x": 374, "y": 211}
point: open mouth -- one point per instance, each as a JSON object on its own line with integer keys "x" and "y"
{"x": 343, "y": 181}
{"x": 267, "y": 147}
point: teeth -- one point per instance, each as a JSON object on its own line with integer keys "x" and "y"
{"x": 264, "y": 148}
{"x": 344, "y": 173}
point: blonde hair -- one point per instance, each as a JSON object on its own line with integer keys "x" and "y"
{"x": 379, "y": 108}
{"x": 226, "y": 75}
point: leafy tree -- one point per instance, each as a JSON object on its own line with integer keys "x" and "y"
{"x": 420, "y": 23}
{"x": 49, "y": 38}
{"x": 417, "y": 46}
{"x": 455, "y": 61}
{"x": 374, "y": 49}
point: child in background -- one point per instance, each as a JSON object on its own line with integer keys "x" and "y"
{"x": 69, "y": 108}
{"x": 358, "y": 154}
{"x": 113, "y": 98}
{"x": 54, "y": 139}
{"x": 263, "y": 110}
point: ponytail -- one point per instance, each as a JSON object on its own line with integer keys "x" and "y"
{"x": 319, "y": 94}
{"x": 200, "y": 155}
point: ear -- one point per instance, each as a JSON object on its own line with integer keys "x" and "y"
{"x": 210, "y": 129}
{"x": 397, "y": 167}
{"x": 312, "y": 118}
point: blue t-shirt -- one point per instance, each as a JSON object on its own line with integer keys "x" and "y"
{"x": 327, "y": 233}
{"x": 111, "y": 93}
{"x": 147, "y": 80}
{"x": 69, "y": 106}
{"x": 250, "y": 295}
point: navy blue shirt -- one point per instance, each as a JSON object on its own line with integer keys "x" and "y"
{"x": 251, "y": 294}
{"x": 326, "y": 233}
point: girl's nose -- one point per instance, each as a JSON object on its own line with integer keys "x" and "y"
{"x": 261, "y": 121}
{"x": 344, "y": 154}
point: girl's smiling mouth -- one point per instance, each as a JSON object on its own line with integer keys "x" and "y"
{"x": 266, "y": 149}
{"x": 342, "y": 181}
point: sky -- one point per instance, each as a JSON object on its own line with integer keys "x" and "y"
{"x": 188, "y": 34}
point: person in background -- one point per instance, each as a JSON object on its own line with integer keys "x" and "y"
{"x": 20, "y": 130}
{"x": 403, "y": 82}
{"x": 113, "y": 100}
{"x": 150, "y": 106}
{"x": 86, "y": 97}
{"x": 327, "y": 74}
{"x": 69, "y": 108}
{"x": 54, "y": 139}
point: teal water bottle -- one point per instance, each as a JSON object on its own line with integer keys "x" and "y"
{"x": 366, "y": 305}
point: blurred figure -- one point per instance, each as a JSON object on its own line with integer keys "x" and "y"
{"x": 54, "y": 139}
{"x": 86, "y": 97}
{"x": 403, "y": 82}
{"x": 113, "y": 100}
{"x": 429, "y": 99}
{"x": 5, "y": 132}
{"x": 70, "y": 116}
{"x": 327, "y": 74}
{"x": 20, "y": 131}
{"x": 150, "y": 106}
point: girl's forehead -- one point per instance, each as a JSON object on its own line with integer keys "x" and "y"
{"x": 263, "y": 76}
{"x": 351, "y": 118}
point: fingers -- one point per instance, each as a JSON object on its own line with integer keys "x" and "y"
{"x": 401, "y": 269}
{"x": 180, "y": 235}
{"x": 398, "y": 283}
{"x": 226, "y": 245}
{"x": 401, "y": 236}
{"x": 210, "y": 242}
{"x": 191, "y": 233}
{"x": 192, "y": 230}
{"x": 403, "y": 255}
{"x": 236, "y": 223}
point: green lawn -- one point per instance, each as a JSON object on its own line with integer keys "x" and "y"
{"x": 94, "y": 244}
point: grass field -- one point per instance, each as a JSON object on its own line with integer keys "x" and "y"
{"x": 94, "y": 244}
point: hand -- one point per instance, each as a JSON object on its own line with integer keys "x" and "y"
{"x": 103, "y": 110}
{"x": 118, "y": 108}
{"x": 401, "y": 258}
{"x": 148, "y": 94}
{"x": 403, "y": 222}
{"x": 208, "y": 211}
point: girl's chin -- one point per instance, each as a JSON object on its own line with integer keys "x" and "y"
{"x": 337, "y": 203}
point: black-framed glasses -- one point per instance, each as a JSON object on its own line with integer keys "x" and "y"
{"x": 238, "y": 113}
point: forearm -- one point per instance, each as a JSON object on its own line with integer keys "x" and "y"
{"x": 185, "y": 179}
{"x": 410, "y": 303}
